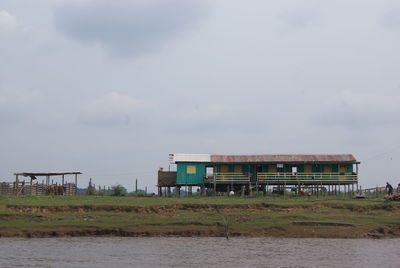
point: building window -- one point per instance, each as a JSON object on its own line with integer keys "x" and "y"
{"x": 294, "y": 170}
{"x": 238, "y": 169}
{"x": 224, "y": 169}
{"x": 191, "y": 170}
{"x": 209, "y": 171}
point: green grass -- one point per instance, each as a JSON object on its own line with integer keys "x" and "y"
{"x": 160, "y": 201}
{"x": 160, "y": 215}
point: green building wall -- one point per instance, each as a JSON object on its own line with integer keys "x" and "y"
{"x": 187, "y": 178}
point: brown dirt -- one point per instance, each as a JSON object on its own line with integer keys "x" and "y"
{"x": 292, "y": 231}
{"x": 186, "y": 207}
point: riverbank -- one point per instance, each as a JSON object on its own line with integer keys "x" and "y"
{"x": 325, "y": 217}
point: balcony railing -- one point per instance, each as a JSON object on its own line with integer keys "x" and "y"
{"x": 334, "y": 177}
{"x": 231, "y": 177}
{"x": 265, "y": 177}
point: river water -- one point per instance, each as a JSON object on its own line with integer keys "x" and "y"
{"x": 198, "y": 252}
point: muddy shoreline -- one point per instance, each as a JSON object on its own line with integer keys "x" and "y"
{"x": 312, "y": 231}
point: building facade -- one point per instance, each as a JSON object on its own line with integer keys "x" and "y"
{"x": 214, "y": 171}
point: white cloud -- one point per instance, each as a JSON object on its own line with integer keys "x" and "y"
{"x": 8, "y": 22}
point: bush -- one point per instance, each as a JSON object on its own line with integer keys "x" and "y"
{"x": 118, "y": 190}
{"x": 90, "y": 190}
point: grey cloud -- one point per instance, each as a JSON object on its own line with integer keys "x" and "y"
{"x": 391, "y": 19}
{"x": 114, "y": 110}
{"x": 127, "y": 28}
{"x": 298, "y": 21}
{"x": 360, "y": 111}
{"x": 18, "y": 106}
{"x": 351, "y": 119}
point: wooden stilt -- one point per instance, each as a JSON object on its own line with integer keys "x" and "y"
{"x": 284, "y": 187}
{"x": 31, "y": 187}
{"x": 16, "y": 185}
{"x": 215, "y": 186}
{"x": 76, "y": 184}
{"x": 250, "y": 190}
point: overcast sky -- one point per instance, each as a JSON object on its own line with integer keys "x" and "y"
{"x": 110, "y": 88}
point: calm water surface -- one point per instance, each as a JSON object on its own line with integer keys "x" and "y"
{"x": 198, "y": 252}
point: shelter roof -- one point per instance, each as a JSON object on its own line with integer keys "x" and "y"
{"x": 29, "y": 174}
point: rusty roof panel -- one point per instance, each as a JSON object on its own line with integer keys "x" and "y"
{"x": 281, "y": 158}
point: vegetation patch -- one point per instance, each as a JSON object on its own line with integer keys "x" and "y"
{"x": 54, "y": 216}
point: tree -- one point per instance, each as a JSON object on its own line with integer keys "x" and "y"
{"x": 90, "y": 190}
{"x": 118, "y": 190}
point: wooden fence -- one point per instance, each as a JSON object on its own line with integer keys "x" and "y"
{"x": 26, "y": 188}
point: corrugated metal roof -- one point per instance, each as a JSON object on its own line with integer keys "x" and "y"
{"x": 281, "y": 158}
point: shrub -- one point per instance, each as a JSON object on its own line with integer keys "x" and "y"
{"x": 118, "y": 190}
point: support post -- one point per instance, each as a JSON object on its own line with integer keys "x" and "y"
{"x": 257, "y": 187}
{"x": 16, "y": 184}
{"x": 321, "y": 189}
{"x": 215, "y": 186}
{"x": 31, "y": 187}
{"x": 76, "y": 184}
{"x": 250, "y": 191}
{"x": 284, "y": 187}
{"x": 202, "y": 190}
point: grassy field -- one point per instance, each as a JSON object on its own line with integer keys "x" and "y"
{"x": 289, "y": 216}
